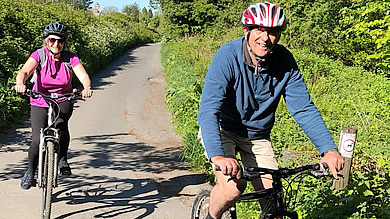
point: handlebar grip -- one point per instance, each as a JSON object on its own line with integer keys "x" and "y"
{"x": 321, "y": 170}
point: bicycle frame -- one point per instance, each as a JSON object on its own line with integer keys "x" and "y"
{"x": 274, "y": 197}
{"x": 276, "y": 205}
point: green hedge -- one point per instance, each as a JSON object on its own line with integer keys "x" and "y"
{"x": 96, "y": 40}
{"x": 354, "y": 31}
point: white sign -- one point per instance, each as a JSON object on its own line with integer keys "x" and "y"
{"x": 347, "y": 143}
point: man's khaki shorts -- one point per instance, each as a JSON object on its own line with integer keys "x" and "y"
{"x": 254, "y": 153}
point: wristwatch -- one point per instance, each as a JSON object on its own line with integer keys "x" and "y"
{"x": 330, "y": 150}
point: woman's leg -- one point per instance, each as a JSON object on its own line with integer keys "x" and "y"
{"x": 66, "y": 110}
{"x": 38, "y": 121}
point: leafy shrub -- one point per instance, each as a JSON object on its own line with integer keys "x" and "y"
{"x": 356, "y": 32}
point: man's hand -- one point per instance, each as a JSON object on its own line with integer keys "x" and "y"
{"x": 335, "y": 162}
{"x": 229, "y": 166}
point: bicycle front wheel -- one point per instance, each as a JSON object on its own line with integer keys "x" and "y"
{"x": 48, "y": 180}
{"x": 200, "y": 206}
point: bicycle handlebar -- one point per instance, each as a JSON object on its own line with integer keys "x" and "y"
{"x": 75, "y": 95}
{"x": 249, "y": 173}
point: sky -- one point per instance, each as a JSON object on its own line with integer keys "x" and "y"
{"x": 120, "y": 3}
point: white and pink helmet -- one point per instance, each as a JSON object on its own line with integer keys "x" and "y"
{"x": 264, "y": 14}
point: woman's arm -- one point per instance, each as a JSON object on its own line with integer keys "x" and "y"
{"x": 83, "y": 77}
{"x": 27, "y": 69}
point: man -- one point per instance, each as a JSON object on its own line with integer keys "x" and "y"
{"x": 242, "y": 89}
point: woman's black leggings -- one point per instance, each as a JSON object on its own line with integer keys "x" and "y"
{"x": 38, "y": 121}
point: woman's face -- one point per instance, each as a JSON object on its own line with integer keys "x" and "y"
{"x": 55, "y": 43}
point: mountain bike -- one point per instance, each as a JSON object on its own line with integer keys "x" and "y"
{"x": 49, "y": 147}
{"x": 276, "y": 202}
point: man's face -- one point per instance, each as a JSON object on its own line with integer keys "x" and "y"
{"x": 262, "y": 39}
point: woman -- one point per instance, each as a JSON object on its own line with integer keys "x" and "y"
{"x": 52, "y": 77}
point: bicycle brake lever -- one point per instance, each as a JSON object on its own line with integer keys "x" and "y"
{"x": 321, "y": 172}
{"x": 231, "y": 178}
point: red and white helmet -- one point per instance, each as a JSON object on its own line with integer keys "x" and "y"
{"x": 264, "y": 14}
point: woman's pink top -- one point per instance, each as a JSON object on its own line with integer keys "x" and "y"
{"x": 54, "y": 77}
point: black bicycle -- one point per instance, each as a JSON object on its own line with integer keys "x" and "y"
{"x": 49, "y": 147}
{"x": 276, "y": 202}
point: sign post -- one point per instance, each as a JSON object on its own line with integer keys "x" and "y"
{"x": 346, "y": 147}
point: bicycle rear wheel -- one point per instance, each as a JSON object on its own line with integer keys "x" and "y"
{"x": 200, "y": 206}
{"x": 48, "y": 180}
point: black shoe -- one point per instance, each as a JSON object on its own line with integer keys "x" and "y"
{"x": 64, "y": 167}
{"x": 27, "y": 180}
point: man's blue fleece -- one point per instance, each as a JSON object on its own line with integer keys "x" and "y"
{"x": 237, "y": 100}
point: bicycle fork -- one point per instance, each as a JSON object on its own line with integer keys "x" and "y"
{"x": 50, "y": 134}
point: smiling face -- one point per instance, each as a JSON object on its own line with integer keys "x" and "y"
{"x": 55, "y": 43}
{"x": 262, "y": 39}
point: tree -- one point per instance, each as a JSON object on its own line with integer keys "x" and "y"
{"x": 144, "y": 17}
{"x": 80, "y": 4}
{"x": 132, "y": 11}
{"x": 110, "y": 10}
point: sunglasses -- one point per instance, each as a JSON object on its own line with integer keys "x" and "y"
{"x": 53, "y": 40}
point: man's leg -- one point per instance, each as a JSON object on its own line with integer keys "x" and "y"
{"x": 224, "y": 194}
{"x": 264, "y": 183}
{"x": 259, "y": 153}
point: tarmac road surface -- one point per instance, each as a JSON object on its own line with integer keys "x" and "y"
{"x": 124, "y": 153}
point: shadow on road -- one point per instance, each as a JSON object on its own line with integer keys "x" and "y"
{"x": 93, "y": 187}
{"x": 128, "y": 193}
{"x": 109, "y": 197}
{"x": 111, "y": 151}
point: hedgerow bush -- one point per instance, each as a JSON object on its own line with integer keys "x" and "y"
{"x": 356, "y": 32}
{"x": 96, "y": 40}
{"x": 185, "y": 70}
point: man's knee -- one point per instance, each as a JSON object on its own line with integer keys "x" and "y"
{"x": 231, "y": 189}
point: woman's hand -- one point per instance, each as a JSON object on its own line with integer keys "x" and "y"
{"x": 20, "y": 88}
{"x": 87, "y": 92}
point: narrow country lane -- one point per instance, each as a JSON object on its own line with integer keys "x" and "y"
{"x": 124, "y": 153}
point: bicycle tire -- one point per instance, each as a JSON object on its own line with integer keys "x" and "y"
{"x": 200, "y": 206}
{"x": 48, "y": 180}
